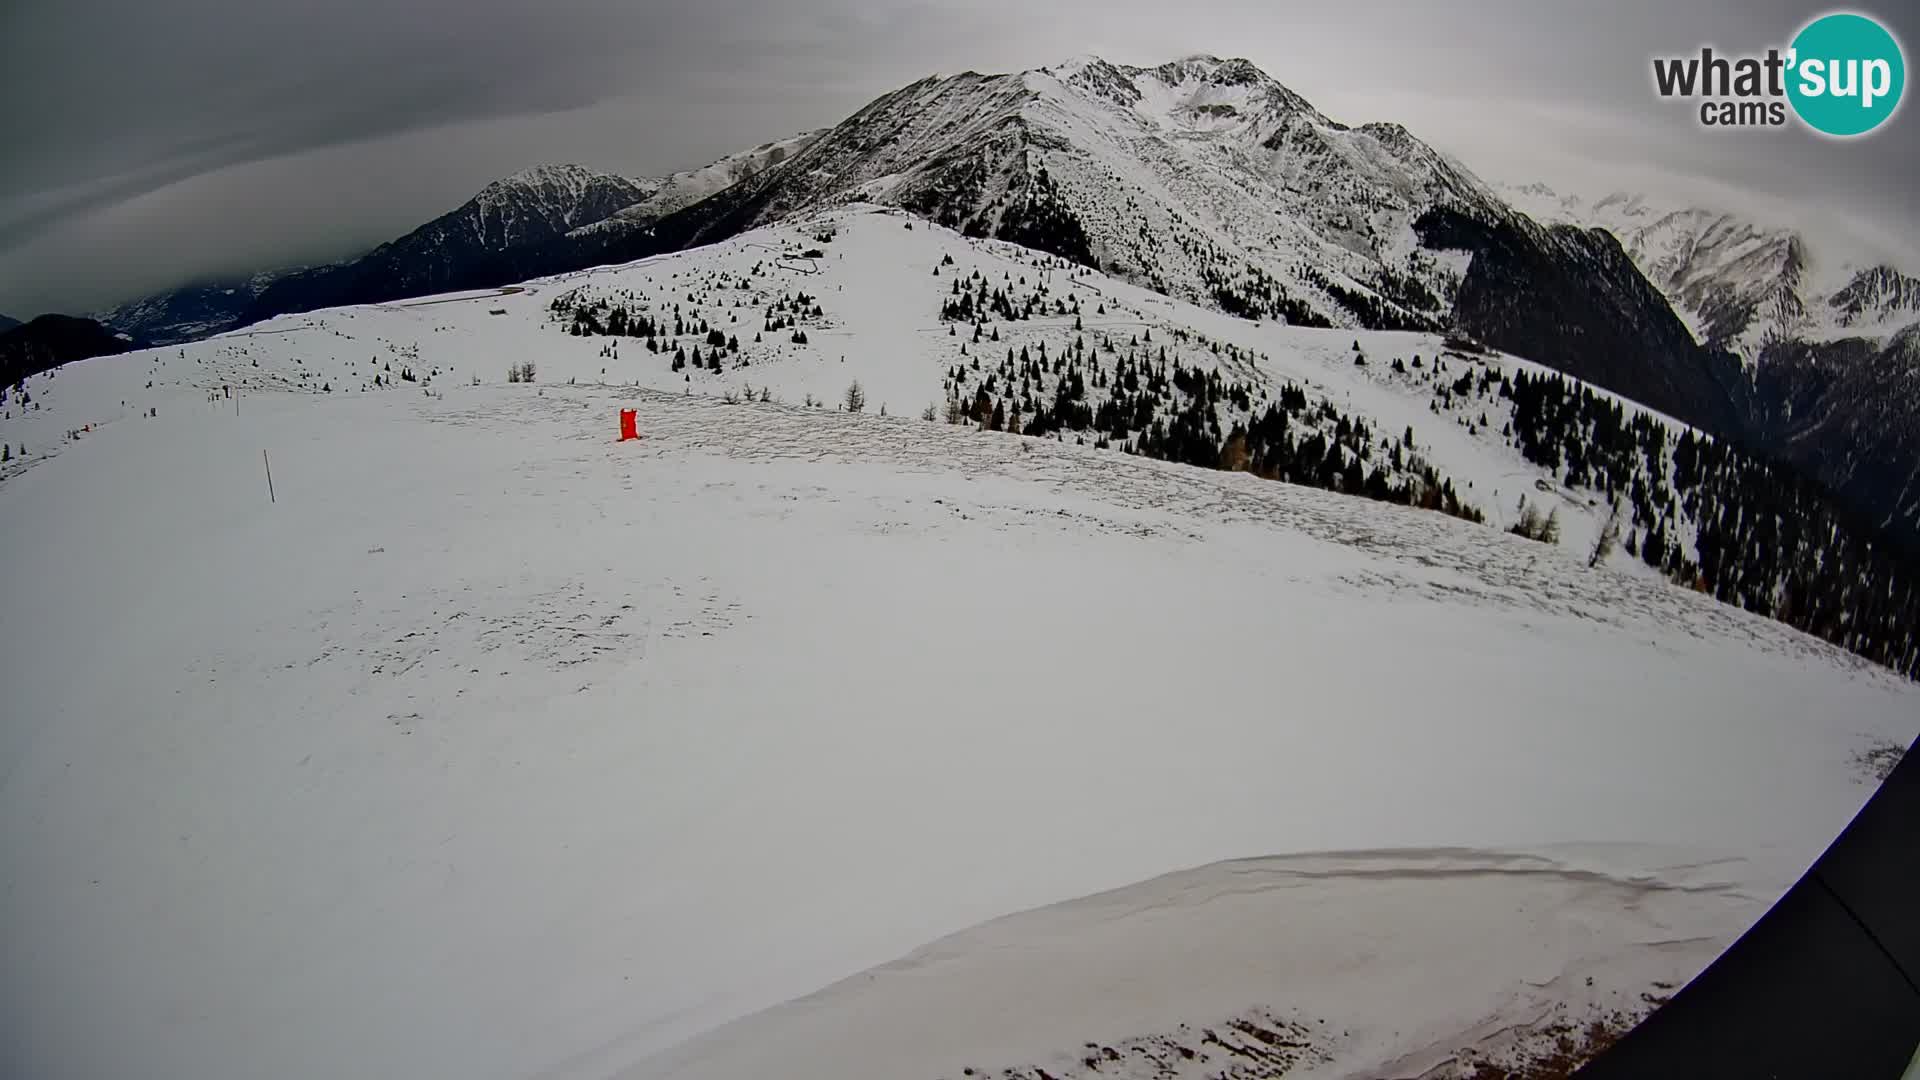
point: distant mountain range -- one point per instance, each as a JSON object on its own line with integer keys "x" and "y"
{"x": 516, "y": 228}
{"x": 504, "y": 233}
{"x": 8, "y": 322}
{"x": 1202, "y": 178}
{"x": 683, "y": 189}
{"x": 1830, "y": 345}
{"x": 191, "y": 312}
{"x": 1742, "y": 286}
{"x": 1206, "y": 179}
{"x": 46, "y": 342}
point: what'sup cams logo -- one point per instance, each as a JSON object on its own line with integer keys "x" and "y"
{"x": 1843, "y": 76}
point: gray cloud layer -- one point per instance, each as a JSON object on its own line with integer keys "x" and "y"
{"x": 151, "y": 143}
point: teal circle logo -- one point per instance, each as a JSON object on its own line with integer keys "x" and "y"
{"x": 1846, "y": 74}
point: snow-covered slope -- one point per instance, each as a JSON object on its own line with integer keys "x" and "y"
{"x": 49, "y": 341}
{"x": 879, "y": 282}
{"x": 1154, "y": 981}
{"x": 493, "y": 747}
{"x": 1196, "y": 177}
{"x": 802, "y": 310}
{"x": 511, "y": 218}
{"x": 682, "y": 189}
{"x": 545, "y": 201}
{"x": 1209, "y": 181}
{"x": 1831, "y": 381}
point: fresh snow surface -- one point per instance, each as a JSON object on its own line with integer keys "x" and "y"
{"x": 880, "y": 301}
{"x": 1153, "y": 981}
{"x": 496, "y": 748}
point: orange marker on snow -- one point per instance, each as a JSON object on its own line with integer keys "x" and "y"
{"x": 629, "y": 424}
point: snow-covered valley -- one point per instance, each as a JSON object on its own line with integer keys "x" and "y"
{"x": 492, "y": 746}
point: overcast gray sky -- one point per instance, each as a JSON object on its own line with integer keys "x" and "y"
{"x": 151, "y": 142}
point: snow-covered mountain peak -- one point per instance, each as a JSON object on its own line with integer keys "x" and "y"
{"x": 1200, "y": 177}
{"x": 1626, "y": 203}
{"x": 1877, "y": 294}
{"x": 1074, "y": 65}
{"x": 560, "y": 174}
{"x": 689, "y": 186}
{"x": 1205, "y": 67}
{"x": 1743, "y": 282}
{"x": 576, "y": 192}
{"x": 1195, "y": 93}
{"x": 536, "y": 203}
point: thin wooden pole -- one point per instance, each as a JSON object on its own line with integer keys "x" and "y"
{"x": 269, "y": 465}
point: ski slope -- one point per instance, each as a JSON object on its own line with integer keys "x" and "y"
{"x": 1355, "y": 957}
{"x": 492, "y": 747}
{"x": 880, "y": 300}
